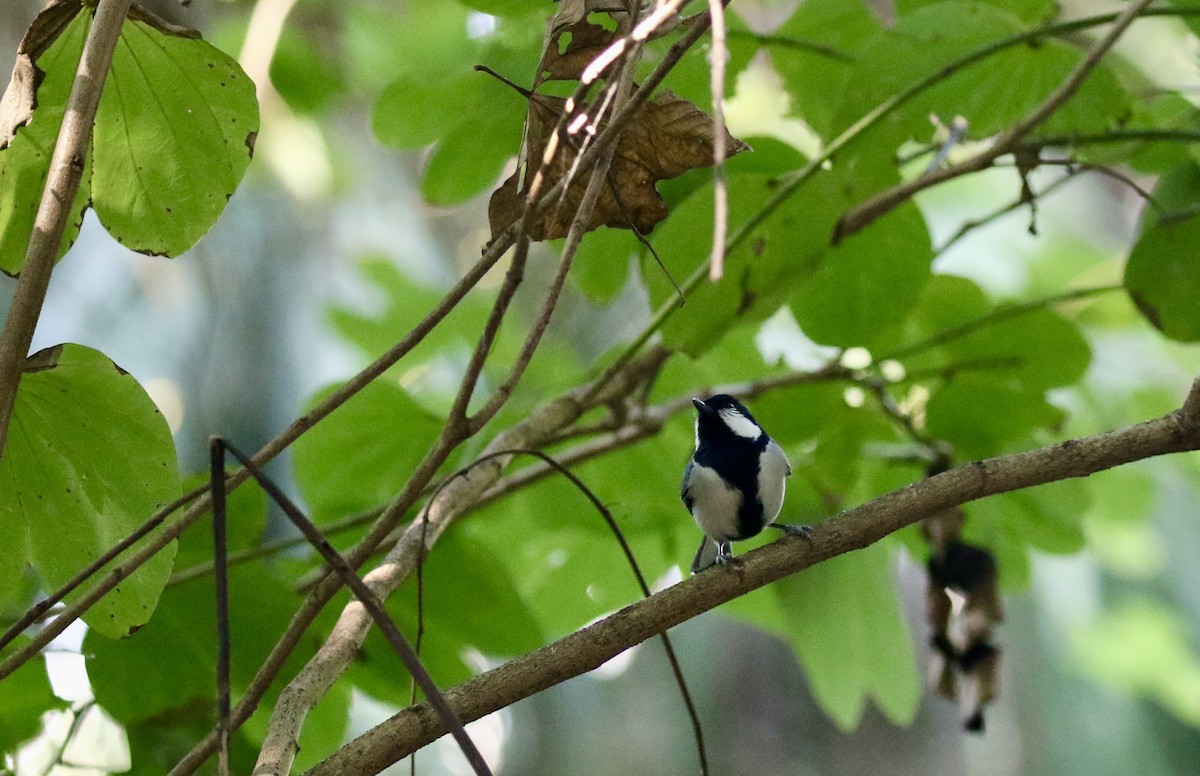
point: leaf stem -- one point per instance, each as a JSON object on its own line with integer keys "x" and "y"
{"x": 58, "y": 198}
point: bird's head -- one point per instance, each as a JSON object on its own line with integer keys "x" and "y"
{"x": 722, "y": 416}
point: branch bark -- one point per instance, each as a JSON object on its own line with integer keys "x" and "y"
{"x": 854, "y": 529}
{"x": 58, "y": 197}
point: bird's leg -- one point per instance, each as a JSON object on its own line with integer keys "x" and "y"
{"x": 795, "y": 530}
{"x": 724, "y": 552}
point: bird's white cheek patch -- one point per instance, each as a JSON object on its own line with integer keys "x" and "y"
{"x": 740, "y": 424}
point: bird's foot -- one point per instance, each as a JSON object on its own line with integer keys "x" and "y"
{"x": 805, "y": 531}
{"x": 725, "y": 554}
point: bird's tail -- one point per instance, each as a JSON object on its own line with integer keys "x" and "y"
{"x": 705, "y": 556}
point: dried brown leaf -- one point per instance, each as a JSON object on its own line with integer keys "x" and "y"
{"x": 665, "y": 138}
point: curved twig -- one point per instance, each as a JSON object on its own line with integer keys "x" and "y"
{"x": 551, "y": 463}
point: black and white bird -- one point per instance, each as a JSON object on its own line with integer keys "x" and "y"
{"x": 734, "y": 484}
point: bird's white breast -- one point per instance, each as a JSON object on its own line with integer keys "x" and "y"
{"x": 715, "y": 504}
{"x": 773, "y": 470}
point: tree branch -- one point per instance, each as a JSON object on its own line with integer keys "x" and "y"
{"x": 854, "y": 529}
{"x": 58, "y": 197}
{"x": 864, "y": 214}
{"x": 313, "y": 681}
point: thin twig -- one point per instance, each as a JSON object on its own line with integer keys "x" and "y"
{"x": 216, "y": 458}
{"x": 996, "y": 315}
{"x": 718, "y": 54}
{"x": 967, "y": 227}
{"x": 366, "y": 597}
{"x": 556, "y": 466}
{"x": 58, "y": 200}
{"x": 35, "y": 612}
{"x": 866, "y": 213}
{"x": 789, "y": 42}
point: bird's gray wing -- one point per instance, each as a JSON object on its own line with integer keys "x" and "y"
{"x": 685, "y": 491}
{"x": 773, "y": 448}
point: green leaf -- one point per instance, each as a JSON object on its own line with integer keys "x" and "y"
{"x": 1162, "y": 275}
{"x": 464, "y": 578}
{"x": 954, "y": 414}
{"x": 419, "y": 37}
{"x": 1029, "y": 10}
{"x": 306, "y": 72}
{"x": 25, "y": 164}
{"x": 866, "y": 287}
{"x": 946, "y": 302}
{"x": 173, "y": 136}
{"x": 362, "y": 455}
{"x": 325, "y": 728}
{"x": 27, "y": 695}
{"x": 472, "y": 155}
{"x": 601, "y": 266}
{"x": 509, "y": 7}
{"x": 1039, "y": 348}
{"x": 843, "y": 619}
{"x": 89, "y": 458}
{"x": 816, "y": 79}
{"x": 414, "y": 110}
{"x": 170, "y": 664}
{"x": 759, "y": 274}
{"x": 1047, "y": 518}
{"x": 245, "y": 520}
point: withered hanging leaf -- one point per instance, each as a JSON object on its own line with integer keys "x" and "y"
{"x": 20, "y": 98}
{"x": 665, "y": 138}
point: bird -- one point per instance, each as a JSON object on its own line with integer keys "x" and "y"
{"x": 734, "y": 483}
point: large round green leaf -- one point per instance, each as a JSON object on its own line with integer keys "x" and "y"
{"x": 174, "y": 134}
{"x": 88, "y": 459}
{"x": 982, "y": 417}
{"x": 866, "y": 286}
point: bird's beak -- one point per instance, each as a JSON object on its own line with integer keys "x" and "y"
{"x": 701, "y": 407}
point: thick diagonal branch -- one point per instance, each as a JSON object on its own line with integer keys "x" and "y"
{"x": 854, "y": 529}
